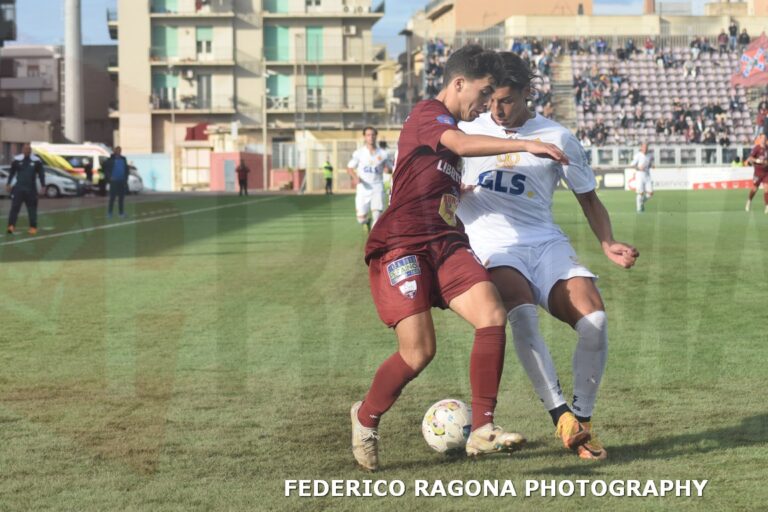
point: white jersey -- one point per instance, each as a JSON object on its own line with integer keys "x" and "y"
{"x": 369, "y": 166}
{"x": 512, "y": 199}
{"x": 642, "y": 162}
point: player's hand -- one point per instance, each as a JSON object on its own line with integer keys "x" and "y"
{"x": 466, "y": 189}
{"x": 624, "y": 255}
{"x": 546, "y": 150}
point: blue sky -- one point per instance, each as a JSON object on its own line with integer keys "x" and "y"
{"x": 48, "y": 29}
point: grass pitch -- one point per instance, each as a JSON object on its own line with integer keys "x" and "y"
{"x": 209, "y": 348}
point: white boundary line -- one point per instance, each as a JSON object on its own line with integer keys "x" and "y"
{"x": 132, "y": 222}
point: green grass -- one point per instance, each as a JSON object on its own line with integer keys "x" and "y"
{"x": 198, "y": 361}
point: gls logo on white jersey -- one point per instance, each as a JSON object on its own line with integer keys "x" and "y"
{"x": 505, "y": 182}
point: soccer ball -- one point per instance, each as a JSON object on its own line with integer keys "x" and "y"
{"x": 446, "y": 425}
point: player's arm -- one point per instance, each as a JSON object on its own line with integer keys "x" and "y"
{"x": 620, "y": 253}
{"x": 11, "y": 174}
{"x": 483, "y": 145}
{"x": 40, "y": 173}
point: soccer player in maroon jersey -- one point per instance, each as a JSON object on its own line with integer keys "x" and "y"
{"x": 759, "y": 159}
{"x": 419, "y": 257}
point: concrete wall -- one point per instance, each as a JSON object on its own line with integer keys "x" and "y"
{"x": 135, "y": 82}
{"x": 252, "y": 160}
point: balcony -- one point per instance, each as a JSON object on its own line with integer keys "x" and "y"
{"x": 26, "y": 83}
{"x": 112, "y": 23}
{"x": 206, "y": 9}
{"x": 191, "y": 104}
{"x": 326, "y": 55}
{"x": 329, "y": 100}
{"x": 112, "y": 64}
{"x": 192, "y": 56}
{"x": 274, "y": 9}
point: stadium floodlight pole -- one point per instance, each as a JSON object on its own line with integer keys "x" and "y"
{"x": 409, "y": 83}
{"x": 174, "y": 161}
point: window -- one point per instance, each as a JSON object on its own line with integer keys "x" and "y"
{"x": 204, "y": 43}
{"x": 313, "y": 3}
{"x": 31, "y": 98}
{"x": 314, "y": 91}
{"x": 33, "y": 70}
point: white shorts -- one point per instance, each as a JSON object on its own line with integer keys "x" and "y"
{"x": 543, "y": 266}
{"x": 643, "y": 183}
{"x": 369, "y": 197}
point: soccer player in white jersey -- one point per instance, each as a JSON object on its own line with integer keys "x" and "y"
{"x": 642, "y": 162}
{"x": 506, "y": 210}
{"x": 367, "y": 166}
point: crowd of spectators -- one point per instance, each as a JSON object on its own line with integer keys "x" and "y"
{"x": 604, "y": 93}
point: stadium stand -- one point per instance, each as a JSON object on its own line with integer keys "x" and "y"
{"x": 672, "y": 96}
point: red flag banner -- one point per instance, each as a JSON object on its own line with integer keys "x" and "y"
{"x": 753, "y": 65}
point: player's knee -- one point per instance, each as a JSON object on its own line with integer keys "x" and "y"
{"x": 593, "y": 331}
{"x": 523, "y": 317}
{"x": 419, "y": 358}
{"x": 494, "y": 317}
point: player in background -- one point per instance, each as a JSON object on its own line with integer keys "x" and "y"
{"x": 758, "y": 158}
{"x": 507, "y": 211}
{"x": 367, "y": 167}
{"x": 419, "y": 257}
{"x": 642, "y": 162}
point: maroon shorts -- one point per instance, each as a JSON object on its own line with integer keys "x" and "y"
{"x": 410, "y": 280}
{"x": 760, "y": 176}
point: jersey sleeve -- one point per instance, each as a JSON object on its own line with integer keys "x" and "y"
{"x": 578, "y": 174}
{"x": 354, "y": 161}
{"x": 432, "y": 123}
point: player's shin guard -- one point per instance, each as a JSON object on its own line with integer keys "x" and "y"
{"x": 589, "y": 361}
{"x": 390, "y": 379}
{"x": 534, "y": 355}
{"x": 485, "y": 366}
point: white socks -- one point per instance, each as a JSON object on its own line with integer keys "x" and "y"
{"x": 375, "y": 214}
{"x": 534, "y": 355}
{"x": 639, "y": 202}
{"x": 589, "y": 361}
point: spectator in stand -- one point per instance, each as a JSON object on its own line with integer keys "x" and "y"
{"x": 660, "y": 126}
{"x": 623, "y": 119}
{"x": 431, "y": 47}
{"x": 733, "y": 103}
{"x": 722, "y": 42}
{"x": 635, "y": 97}
{"x": 599, "y": 132}
{"x": 601, "y": 46}
{"x": 733, "y": 32}
{"x": 708, "y": 136}
{"x": 440, "y": 48}
{"x": 615, "y": 94}
{"x": 699, "y": 125}
{"x": 555, "y": 47}
{"x": 639, "y": 116}
{"x": 583, "y": 46}
{"x": 736, "y": 162}
{"x": 615, "y": 77}
{"x": 743, "y": 39}
{"x": 689, "y": 68}
{"x": 709, "y": 111}
{"x": 517, "y": 46}
{"x": 573, "y": 47}
{"x": 695, "y": 48}
{"x": 630, "y": 48}
{"x": 527, "y": 46}
{"x": 536, "y": 47}
{"x": 431, "y": 90}
{"x": 690, "y": 132}
{"x": 649, "y": 46}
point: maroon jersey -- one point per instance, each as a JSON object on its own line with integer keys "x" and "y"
{"x": 425, "y": 186}
{"x": 759, "y": 154}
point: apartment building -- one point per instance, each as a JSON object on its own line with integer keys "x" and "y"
{"x": 292, "y": 64}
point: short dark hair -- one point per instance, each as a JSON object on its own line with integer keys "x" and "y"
{"x": 473, "y": 62}
{"x": 517, "y": 72}
{"x": 375, "y": 131}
